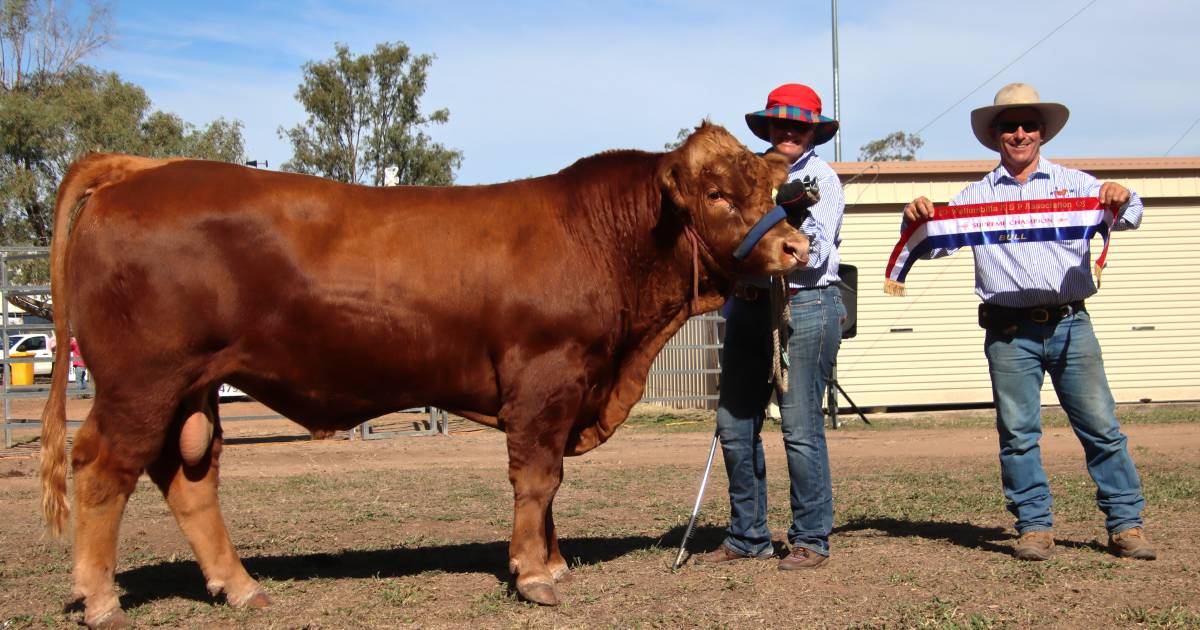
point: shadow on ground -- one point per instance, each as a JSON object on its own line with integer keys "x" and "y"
{"x": 994, "y": 539}
{"x": 183, "y": 578}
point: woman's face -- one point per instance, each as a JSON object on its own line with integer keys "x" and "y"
{"x": 790, "y": 138}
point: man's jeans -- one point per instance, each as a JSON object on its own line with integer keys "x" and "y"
{"x": 1071, "y": 354}
{"x": 816, "y": 316}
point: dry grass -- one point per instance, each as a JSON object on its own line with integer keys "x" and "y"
{"x": 919, "y": 543}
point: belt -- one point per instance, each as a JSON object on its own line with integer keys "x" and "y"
{"x": 750, "y": 293}
{"x": 1005, "y": 318}
{"x": 1043, "y": 314}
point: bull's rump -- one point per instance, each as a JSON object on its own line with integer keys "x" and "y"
{"x": 323, "y": 300}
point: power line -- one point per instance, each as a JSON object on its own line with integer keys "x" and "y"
{"x": 1010, "y": 64}
{"x": 1189, "y": 130}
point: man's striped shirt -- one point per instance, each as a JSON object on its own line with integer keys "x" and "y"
{"x": 1041, "y": 273}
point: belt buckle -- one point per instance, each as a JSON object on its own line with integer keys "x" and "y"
{"x": 1039, "y": 315}
{"x": 749, "y": 292}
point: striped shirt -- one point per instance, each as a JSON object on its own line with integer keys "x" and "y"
{"x": 1024, "y": 275}
{"x": 823, "y": 226}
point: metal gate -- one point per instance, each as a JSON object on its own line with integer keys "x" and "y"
{"x": 686, "y": 372}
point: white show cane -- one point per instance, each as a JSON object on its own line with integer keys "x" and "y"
{"x": 712, "y": 450}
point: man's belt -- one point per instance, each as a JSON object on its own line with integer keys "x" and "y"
{"x": 1006, "y": 319}
{"x": 750, "y": 293}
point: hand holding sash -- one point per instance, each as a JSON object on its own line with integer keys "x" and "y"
{"x": 918, "y": 209}
{"x": 1113, "y": 196}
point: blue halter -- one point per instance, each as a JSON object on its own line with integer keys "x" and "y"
{"x": 769, "y": 220}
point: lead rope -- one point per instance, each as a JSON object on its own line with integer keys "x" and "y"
{"x": 780, "y": 314}
{"x": 780, "y": 320}
{"x": 695, "y": 241}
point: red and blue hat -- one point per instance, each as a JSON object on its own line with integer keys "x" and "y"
{"x": 793, "y": 101}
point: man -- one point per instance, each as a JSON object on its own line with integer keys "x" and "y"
{"x": 1033, "y": 309}
{"x": 793, "y": 124}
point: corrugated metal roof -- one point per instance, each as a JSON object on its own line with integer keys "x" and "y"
{"x": 1093, "y": 165}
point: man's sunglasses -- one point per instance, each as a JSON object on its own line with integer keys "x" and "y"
{"x": 1010, "y": 126}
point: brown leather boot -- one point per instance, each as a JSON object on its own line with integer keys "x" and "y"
{"x": 1036, "y": 545}
{"x": 802, "y": 558}
{"x": 724, "y": 554}
{"x": 1131, "y": 543}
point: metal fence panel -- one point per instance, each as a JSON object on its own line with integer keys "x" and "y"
{"x": 685, "y": 374}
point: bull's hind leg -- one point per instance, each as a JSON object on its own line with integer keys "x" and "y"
{"x": 188, "y": 478}
{"x": 107, "y": 461}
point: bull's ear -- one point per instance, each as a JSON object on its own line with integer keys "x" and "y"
{"x": 671, "y": 182}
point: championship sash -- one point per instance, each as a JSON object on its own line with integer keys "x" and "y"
{"x": 999, "y": 223}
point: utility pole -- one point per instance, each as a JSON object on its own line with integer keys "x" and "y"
{"x": 837, "y": 98}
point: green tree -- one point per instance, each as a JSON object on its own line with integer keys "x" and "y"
{"x": 47, "y": 38}
{"x": 53, "y": 110}
{"x": 364, "y": 115}
{"x": 680, "y": 138}
{"x": 49, "y": 122}
{"x": 894, "y": 147}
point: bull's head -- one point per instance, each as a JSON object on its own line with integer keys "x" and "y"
{"x": 722, "y": 191}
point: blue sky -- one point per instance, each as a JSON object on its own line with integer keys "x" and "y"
{"x": 533, "y": 86}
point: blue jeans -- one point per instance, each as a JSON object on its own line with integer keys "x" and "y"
{"x": 816, "y": 316}
{"x": 1070, "y": 352}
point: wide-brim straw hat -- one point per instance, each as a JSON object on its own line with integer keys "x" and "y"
{"x": 793, "y": 101}
{"x": 1011, "y": 96}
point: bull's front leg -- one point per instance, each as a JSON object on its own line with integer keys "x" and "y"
{"x": 554, "y": 558}
{"x": 535, "y": 470}
{"x": 542, "y": 400}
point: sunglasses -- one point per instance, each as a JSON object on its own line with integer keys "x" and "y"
{"x": 794, "y": 125}
{"x": 1011, "y": 126}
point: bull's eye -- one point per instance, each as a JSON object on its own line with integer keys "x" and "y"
{"x": 717, "y": 195}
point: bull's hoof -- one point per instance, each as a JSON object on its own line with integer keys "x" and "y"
{"x": 114, "y": 619}
{"x": 563, "y": 576}
{"x": 255, "y": 600}
{"x": 258, "y": 600}
{"x": 539, "y": 593}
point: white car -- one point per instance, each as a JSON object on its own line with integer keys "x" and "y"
{"x": 39, "y": 345}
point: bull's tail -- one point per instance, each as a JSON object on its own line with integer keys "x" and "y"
{"x": 84, "y": 178}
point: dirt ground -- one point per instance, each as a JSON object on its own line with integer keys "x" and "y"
{"x": 413, "y": 532}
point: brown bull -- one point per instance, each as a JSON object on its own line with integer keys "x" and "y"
{"x": 534, "y": 306}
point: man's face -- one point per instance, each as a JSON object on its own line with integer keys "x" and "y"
{"x": 1019, "y": 132}
{"x": 791, "y": 138}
